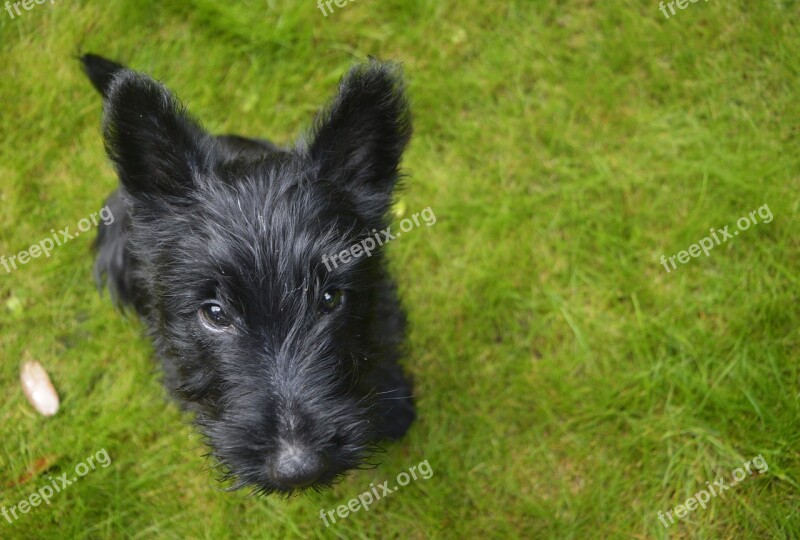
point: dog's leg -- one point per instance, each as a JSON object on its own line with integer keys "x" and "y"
{"x": 114, "y": 265}
{"x": 393, "y": 388}
{"x": 394, "y": 401}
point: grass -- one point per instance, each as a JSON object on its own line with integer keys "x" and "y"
{"x": 567, "y": 385}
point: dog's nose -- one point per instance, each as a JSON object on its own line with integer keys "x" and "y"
{"x": 297, "y": 467}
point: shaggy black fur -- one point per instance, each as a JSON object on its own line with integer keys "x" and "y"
{"x": 217, "y": 243}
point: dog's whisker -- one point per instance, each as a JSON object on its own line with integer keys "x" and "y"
{"x": 388, "y": 391}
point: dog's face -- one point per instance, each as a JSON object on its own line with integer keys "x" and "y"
{"x": 270, "y": 344}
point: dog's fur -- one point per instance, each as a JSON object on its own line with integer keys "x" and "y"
{"x": 217, "y": 244}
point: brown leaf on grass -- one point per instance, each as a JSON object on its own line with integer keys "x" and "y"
{"x": 39, "y": 466}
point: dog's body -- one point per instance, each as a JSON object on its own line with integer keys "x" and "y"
{"x": 217, "y": 244}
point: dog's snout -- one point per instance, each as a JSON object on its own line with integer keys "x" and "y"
{"x": 298, "y": 467}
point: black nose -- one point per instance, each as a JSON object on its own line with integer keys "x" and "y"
{"x": 297, "y": 467}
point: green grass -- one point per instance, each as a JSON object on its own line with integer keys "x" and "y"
{"x": 567, "y": 386}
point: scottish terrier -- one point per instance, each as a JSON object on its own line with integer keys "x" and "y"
{"x": 290, "y": 367}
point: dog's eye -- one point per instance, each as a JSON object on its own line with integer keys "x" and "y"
{"x": 214, "y": 316}
{"x": 331, "y": 300}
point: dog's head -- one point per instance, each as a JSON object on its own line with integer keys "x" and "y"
{"x": 270, "y": 343}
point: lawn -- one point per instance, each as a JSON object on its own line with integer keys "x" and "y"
{"x": 570, "y": 383}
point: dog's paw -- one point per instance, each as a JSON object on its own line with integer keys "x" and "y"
{"x": 394, "y": 401}
{"x": 398, "y": 415}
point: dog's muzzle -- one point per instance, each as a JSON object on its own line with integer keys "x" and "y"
{"x": 298, "y": 467}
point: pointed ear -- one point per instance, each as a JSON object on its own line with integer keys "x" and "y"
{"x": 157, "y": 149}
{"x": 359, "y": 138}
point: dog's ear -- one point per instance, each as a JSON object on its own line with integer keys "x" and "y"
{"x": 157, "y": 149}
{"x": 359, "y": 138}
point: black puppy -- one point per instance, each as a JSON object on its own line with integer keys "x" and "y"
{"x": 218, "y": 243}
